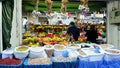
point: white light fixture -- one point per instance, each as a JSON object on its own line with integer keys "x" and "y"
{"x": 83, "y": 8}
{"x": 36, "y": 13}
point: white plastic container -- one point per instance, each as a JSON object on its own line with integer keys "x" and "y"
{"x": 74, "y": 48}
{"x": 85, "y": 58}
{"x": 58, "y": 51}
{"x": 93, "y": 56}
{"x": 112, "y": 56}
{"x": 48, "y": 47}
{"x": 21, "y": 54}
{"x": 82, "y": 57}
{"x": 37, "y": 52}
{"x": 106, "y": 46}
{"x": 73, "y": 55}
{"x": 98, "y": 57}
{"x": 8, "y": 53}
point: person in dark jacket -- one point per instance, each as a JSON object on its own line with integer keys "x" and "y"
{"x": 92, "y": 34}
{"x": 74, "y": 31}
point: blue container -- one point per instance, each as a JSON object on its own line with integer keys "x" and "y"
{"x": 74, "y": 64}
{"x": 26, "y": 65}
{"x": 111, "y": 64}
{"x": 65, "y": 53}
{"x": 88, "y": 64}
{"x": 61, "y": 64}
{"x": 97, "y": 50}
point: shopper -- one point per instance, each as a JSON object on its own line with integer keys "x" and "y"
{"x": 74, "y": 31}
{"x": 25, "y": 22}
{"x": 92, "y": 34}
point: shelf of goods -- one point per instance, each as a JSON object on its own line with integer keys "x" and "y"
{"x": 46, "y": 34}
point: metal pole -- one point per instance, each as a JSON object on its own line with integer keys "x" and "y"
{"x": 1, "y": 44}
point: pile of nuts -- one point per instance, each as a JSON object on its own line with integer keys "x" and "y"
{"x": 39, "y": 61}
{"x": 62, "y": 59}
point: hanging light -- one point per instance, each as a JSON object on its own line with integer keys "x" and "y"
{"x": 36, "y": 13}
{"x": 83, "y": 8}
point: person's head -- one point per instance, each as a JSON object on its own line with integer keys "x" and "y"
{"x": 72, "y": 23}
{"x": 75, "y": 18}
{"x": 92, "y": 27}
{"x": 25, "y": 17}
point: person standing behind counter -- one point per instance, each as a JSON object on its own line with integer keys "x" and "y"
{"x": 74, "y": 31}
{"x": 92, "y": 34}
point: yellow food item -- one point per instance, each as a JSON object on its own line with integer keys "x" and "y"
{"x": 47, "y": 39}
{"x": 46, "y": 43}
{"x": 63, "y": 42}
{"x": 30, "y": 44}
{"x": 20, "y": 49}
{"x": 27, "y": 34}
{"x": 41, "y": 34}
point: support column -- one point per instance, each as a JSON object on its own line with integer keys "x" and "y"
{"x": 1, "y": 44}
{"x": 16, "y": 32}
{"x": 119, "y": 25}
{"x": 112, "y": 29}
{"x": 19, "y": 19}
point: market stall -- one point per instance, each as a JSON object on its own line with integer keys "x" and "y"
{"x": 81, "y": 55}
{"x": 48, "y": 46}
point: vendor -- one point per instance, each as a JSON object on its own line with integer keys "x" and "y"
{"x": 92, "y": 34}
{"x": 74, "y": 31}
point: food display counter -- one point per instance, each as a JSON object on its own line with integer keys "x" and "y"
{"x": 89, "y": 56}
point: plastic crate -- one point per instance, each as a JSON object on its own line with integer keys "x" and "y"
{"x": 26, "y": 65}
